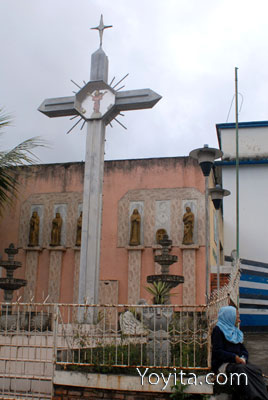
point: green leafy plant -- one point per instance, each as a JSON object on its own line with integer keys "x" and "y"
{"x": 104, "y": 359}
{"x": 160, "y": 291}
{"x": 179, "y": 394}
{"x": 20, "y": 155}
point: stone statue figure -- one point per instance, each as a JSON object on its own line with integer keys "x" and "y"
{"x": 160, "y": 234}
{"x": 34, "y": 230}
{"x": 135, "y": 229}
{"x": 130, "y": 325}
{"x": 56, "y": 230}
{"x": 79, "y": 230}
{"x": 188, "y": 220}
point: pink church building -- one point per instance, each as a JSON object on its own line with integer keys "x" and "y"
{"x": 159, "y": 188}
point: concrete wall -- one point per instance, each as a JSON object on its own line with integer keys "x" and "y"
{"x": 127, "y": 387}
{"x": 253, "y": 216}
{"x": 26, "y": 365}
{"x": 253, "y": 142}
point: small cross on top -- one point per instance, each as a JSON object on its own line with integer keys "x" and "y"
{"x": 101, "y": 28}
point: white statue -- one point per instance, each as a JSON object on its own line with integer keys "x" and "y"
{"x": 130, "y": 325}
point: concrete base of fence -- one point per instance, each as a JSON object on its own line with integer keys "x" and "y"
{"x": 124, "y": 383}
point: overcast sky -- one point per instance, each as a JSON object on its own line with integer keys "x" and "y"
{"x": 185, "y": 50}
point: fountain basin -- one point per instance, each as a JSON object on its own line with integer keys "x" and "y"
{"x": 12, "y": 283}
{"x": 11, "y": 265}
{"x": 171, "y": 280}
{"x": 166, "y": 259}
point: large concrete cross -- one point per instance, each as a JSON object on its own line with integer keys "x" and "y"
{"x": 98, "y": 104}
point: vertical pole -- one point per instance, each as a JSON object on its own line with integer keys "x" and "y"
{"x": 207, "y": 239}
{"x": 55, "y": 343}
{"x": 237, "y": 174}
{"x": 92, "y": 215}
{"x": 237, "y": 165}
{"x": 218, "y": 249}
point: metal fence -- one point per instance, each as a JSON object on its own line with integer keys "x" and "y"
{"x": 228, "y": 294}
{"x": 126, "y": 336}
{"x": 35, "y": 339}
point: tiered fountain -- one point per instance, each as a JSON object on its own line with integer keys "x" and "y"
{"x": 165, "y": 260}
{"x": 9, "y": 284}
{"x": 158, "y": 319}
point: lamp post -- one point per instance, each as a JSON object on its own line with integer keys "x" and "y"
{"x": 205, "y": 157}
{"x": 217, "y": 194}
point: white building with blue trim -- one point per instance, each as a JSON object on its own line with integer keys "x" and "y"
{"x": 253, "y": 214}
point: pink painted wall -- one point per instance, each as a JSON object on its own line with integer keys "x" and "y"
{"x": 119, "y": 178}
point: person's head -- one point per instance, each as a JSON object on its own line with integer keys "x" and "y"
{"x": 228, "y": 315}
{"x": 188, "y": 209}
{"x": 228, "y": 318}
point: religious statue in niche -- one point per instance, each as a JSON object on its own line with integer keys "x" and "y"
{"x": 34, "y": 230}
{"x": 135, "y": 230}
{"x": 96, "y": 98}
{"x": 56, "y": 230}
{"x": 160, "y": 234}
{"x": 188, "y": 220}
{"x": 79, "y": 230}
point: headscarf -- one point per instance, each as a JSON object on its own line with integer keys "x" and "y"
{"x": 226, "y": 323}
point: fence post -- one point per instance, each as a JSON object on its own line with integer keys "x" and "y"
{"x": 55, "y": 338}
{"x": 209, "y": 330}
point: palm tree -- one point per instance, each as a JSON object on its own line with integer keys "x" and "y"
{"x": 20, "y": 155}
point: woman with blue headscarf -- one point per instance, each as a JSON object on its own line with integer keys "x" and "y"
{"x": 230, "y": 357}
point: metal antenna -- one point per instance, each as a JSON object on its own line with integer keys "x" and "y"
{"x": 74, "y": 126}
{"x": 120, "y": 81}
{"x": 76, "y": 84}
{"x": 110, "y": 125}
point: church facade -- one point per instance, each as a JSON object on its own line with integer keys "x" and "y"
{"x": 45, "y": 224}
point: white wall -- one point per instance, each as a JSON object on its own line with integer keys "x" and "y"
{"x": 253, "y": 142}
{"x": 253, "y": 211}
